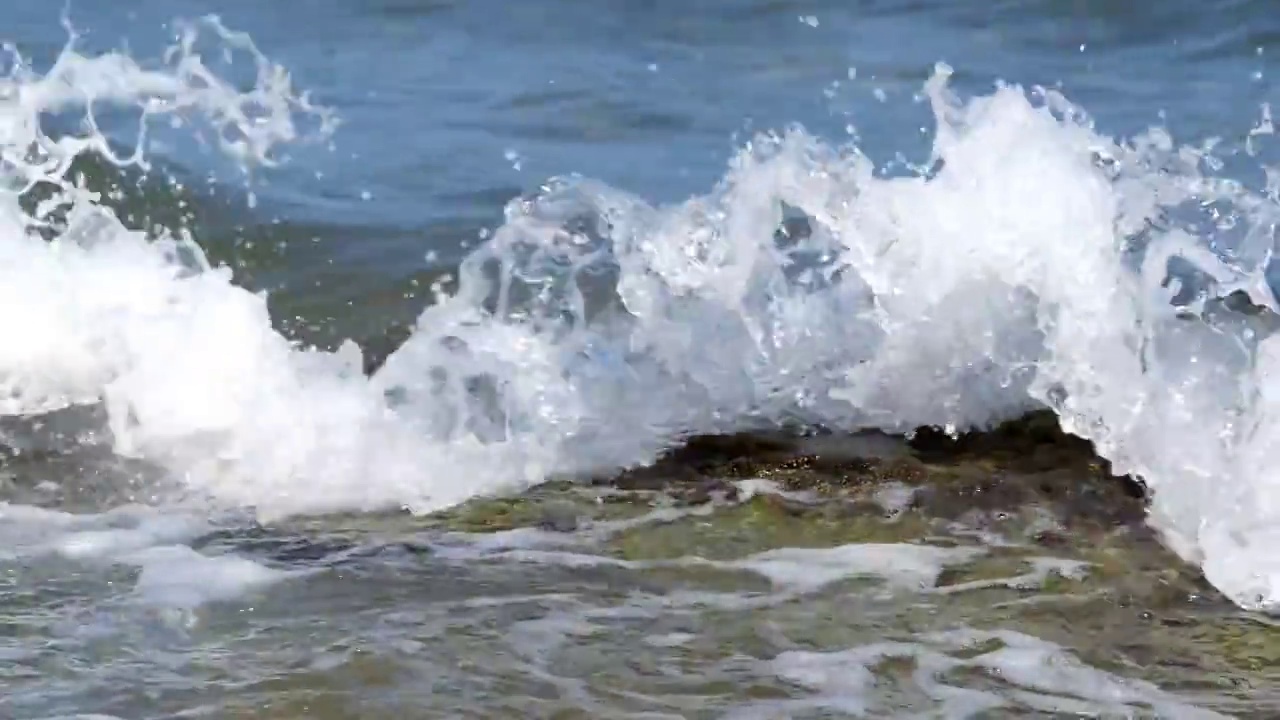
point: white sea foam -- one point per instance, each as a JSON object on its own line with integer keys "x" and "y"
{"x": 1027, "y": 673}
{"x": 1028, "y": 268}
{"x": 177, "y": 576}
{"x": 914, "y": 567}
{"x": 171, "y": 574}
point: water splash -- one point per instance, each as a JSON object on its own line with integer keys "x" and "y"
{"x": 1031, "y": 262}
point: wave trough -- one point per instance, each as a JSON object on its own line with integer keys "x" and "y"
{"x": 1032, "y": 262}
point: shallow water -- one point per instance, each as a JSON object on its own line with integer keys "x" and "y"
{"x": 586, "y": 236}
{"x": 644, "y": 609}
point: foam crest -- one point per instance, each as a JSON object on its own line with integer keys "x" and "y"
{"x": 1032, "y": 262}
{"x": 1036, "y": 263}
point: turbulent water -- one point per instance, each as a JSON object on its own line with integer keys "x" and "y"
{"x": 1022, "y": 257}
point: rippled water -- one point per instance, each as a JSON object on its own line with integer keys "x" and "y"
{"x": 725, "y": 611}
{"x": 602, "y": 231}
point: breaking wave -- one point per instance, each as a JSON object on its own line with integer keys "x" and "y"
{"x": 1032, "y": 261}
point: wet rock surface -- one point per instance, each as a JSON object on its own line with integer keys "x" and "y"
{"x": 1019, "y": 463}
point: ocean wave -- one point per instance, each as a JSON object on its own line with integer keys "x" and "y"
{"x": 1031, "y": 262}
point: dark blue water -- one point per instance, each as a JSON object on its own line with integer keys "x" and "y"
{"x": 450, "y": 109}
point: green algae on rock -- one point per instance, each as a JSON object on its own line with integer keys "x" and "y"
{"x": 1020, "y": 462}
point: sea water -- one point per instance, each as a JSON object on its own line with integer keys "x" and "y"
{"x": 992, "y": 212}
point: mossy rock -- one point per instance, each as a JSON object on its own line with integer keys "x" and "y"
{"x": 1244, "y": 644}
{"x": 995, "y": 567}
{"x": 1017, "y": 463}
{"x": 554, "y": 506}
{"x": 762, "y": 523}
{"x": 707, "y": 456}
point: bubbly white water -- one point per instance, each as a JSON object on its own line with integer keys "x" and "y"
{"x": 1043, "y": 677}
{"x": 1029, "y": 266}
